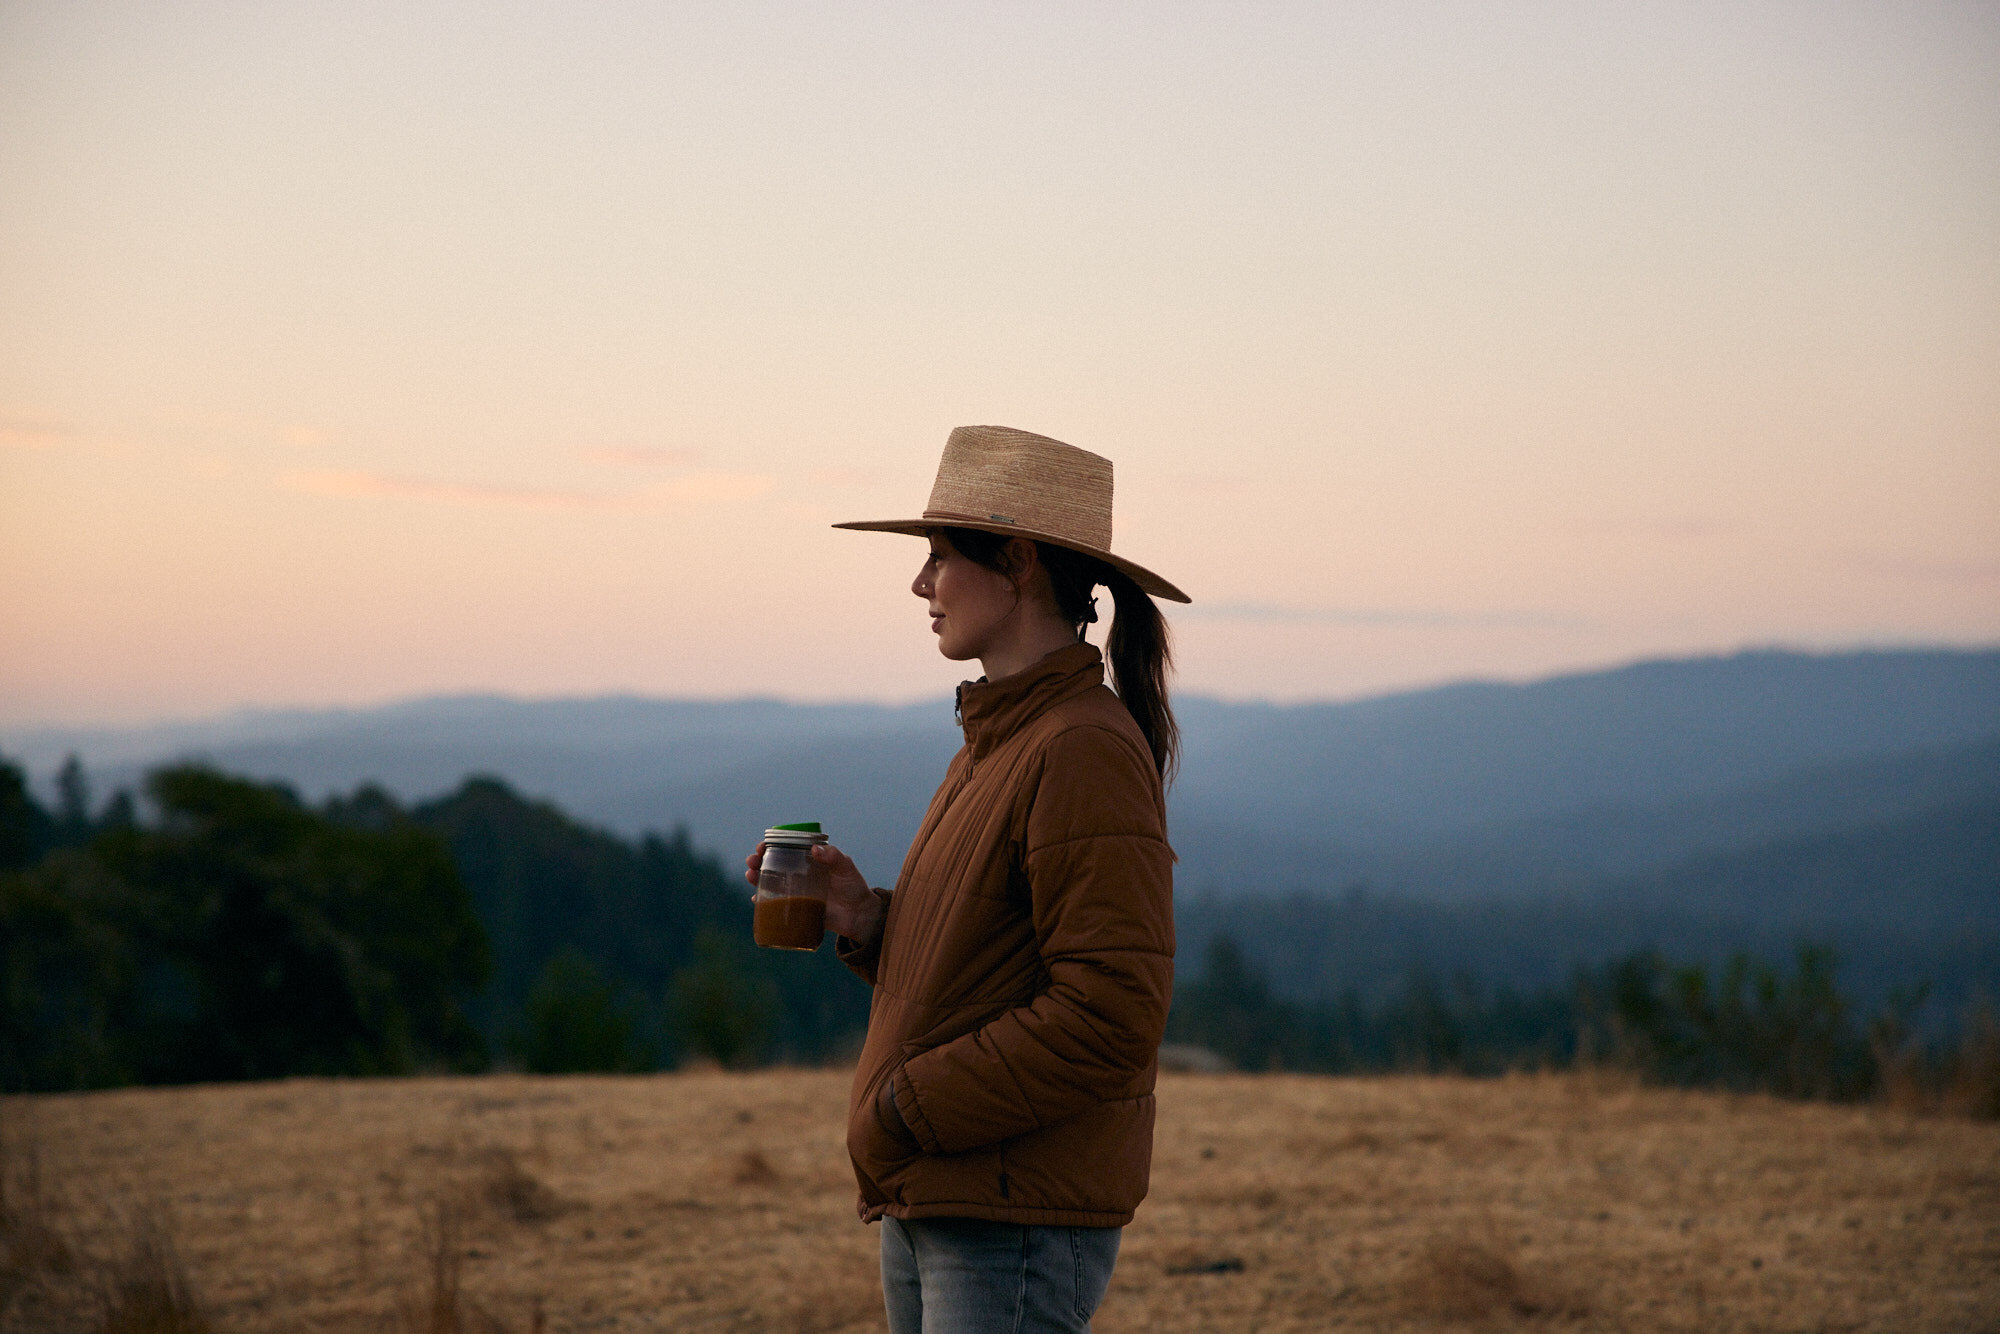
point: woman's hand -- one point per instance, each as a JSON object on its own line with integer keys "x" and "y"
{"x": 852, "y": 909}
{"x": 890, "y": 1114}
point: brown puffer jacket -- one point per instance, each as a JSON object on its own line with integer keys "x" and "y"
{"x": 1024, "y": 968}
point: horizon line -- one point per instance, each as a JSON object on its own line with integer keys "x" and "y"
{"x": 250, "y": 711}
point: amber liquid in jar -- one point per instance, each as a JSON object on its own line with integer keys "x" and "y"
{"x": 794, "y": 922}
{"x": 790, "y": 906}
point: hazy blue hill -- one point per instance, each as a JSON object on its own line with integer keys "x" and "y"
{"x": 631, "y": 764}
{"x": 1467, "y": 757}
{"x": 870, "y": 790}
{"x": 1938, "y": 871}
{"x": 1909, "y": 900}
{"x": 416, "y": 727}
{"x": 1817, "y": 799}
{"x": 1574, "y": 851}
{"x": 1466, "y": 791}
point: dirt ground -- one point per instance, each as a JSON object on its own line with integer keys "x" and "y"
{"x": 714, "y": 1201}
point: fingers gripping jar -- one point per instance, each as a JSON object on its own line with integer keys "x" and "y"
{"x": 791, "y": 889}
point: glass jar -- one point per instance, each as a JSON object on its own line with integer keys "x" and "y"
{"x": 790, "y": 903}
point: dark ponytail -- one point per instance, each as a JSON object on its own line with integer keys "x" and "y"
{"x": 1138, "y": 651}
{"x": 1141, "y": 654}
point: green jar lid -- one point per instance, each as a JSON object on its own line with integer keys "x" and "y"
{"x": 804, "y": 827}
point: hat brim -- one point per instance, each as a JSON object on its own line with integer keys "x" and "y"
{"x": 1138, "y": 574}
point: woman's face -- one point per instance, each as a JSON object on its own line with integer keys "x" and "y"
{"x": 967, "y": 601}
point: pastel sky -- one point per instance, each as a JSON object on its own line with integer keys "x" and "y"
{"x": 360, "y": 350}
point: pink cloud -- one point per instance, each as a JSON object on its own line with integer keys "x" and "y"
{"x": 21, "y": 433}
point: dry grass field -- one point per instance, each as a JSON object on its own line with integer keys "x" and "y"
{"x": 713, "y": 1201}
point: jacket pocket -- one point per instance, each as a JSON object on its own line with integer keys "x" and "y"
{"x": 883, "y": 1158}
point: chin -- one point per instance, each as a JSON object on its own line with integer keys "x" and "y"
{"x": 953, "y": 646}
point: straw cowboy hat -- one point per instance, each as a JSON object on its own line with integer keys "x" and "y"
{"x": 1000, "y": 480}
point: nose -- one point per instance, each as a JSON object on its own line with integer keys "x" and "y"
{"x": 921, "y": 585}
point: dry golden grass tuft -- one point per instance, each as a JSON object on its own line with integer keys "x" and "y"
{"x": 1462, "y": 1278}
{"x": 1905, "y": 1083}
{"x": 718, "y": 1201}
{"x": 440, "y": 1306}
{"x": 754, "y": 1169}
{"x": 145, "y": 1288}
{"x": 32, "y": 1247}
{"x": 1974, "y": 1087}
{"x": 504, "y": 1185}
{"x": 1964, "y": 1081}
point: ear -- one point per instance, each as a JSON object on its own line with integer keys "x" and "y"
{"x": 1019, "y": 558}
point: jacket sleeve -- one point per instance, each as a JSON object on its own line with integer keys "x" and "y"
{"x": 1100, "y": 876}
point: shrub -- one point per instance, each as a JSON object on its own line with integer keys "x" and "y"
{"x": 719, "y": 1007}
{"x": 576, "y": 1021}
{"x": 1754, "y": 1028}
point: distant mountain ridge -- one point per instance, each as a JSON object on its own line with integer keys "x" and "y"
{"x": 1905, "y": 902}
{"x": 1459, "y": 792}
{"x": 1461, "y": 757}
{"x": 1575, "y": 851}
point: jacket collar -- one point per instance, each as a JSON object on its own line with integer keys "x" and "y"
{"x": 992, "y": 711}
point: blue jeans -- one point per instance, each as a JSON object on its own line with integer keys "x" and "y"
{"x": 969, "y": 1276}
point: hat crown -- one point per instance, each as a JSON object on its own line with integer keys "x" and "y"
{"x": 998, "y": 475}
{"x": 1000, "y": 480}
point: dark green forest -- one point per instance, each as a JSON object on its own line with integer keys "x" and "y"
{"x": 237, "y": 936}
{"x": 238, "y": 932}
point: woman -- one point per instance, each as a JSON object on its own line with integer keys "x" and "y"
{"x": 1002, "y": 1113}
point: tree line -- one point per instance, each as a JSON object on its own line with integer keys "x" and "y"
{"x": 1747, "y": 1025}
{"x": 240, "y": 932}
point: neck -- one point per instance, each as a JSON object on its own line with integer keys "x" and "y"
{"x": 1035, "y": 640}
